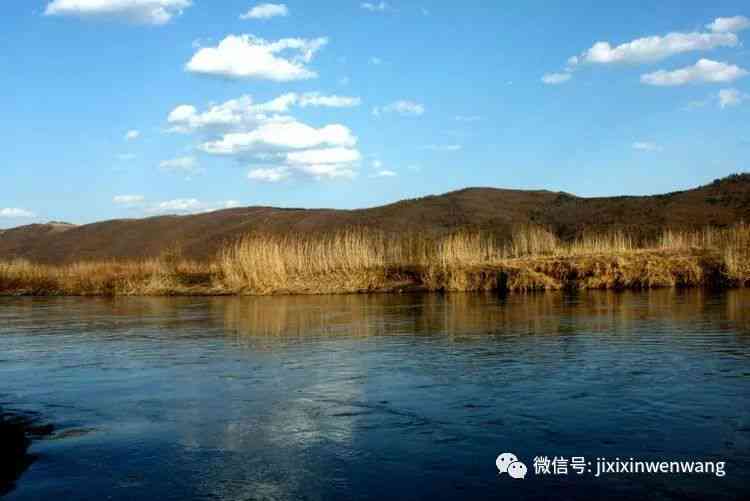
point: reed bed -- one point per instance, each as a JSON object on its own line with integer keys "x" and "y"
{"x": 108, "y": 278}
{"x": 361, "y": 259}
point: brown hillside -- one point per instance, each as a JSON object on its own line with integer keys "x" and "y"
{"x": 721, "y": 203}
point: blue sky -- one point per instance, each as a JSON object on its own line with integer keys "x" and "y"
{"x": 132, "y": 108}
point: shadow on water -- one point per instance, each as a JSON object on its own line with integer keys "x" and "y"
{"x": 16, "y": 431}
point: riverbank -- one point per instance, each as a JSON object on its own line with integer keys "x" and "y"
{"x": 357, "y": 261}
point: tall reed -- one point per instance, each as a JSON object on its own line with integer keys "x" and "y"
{"x": 362, "y": 259}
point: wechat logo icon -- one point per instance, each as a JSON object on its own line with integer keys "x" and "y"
{"x": 509, "y": 463}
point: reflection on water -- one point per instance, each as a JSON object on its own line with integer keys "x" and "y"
{"x": 378, "y": 396}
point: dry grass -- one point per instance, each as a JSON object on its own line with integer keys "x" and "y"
{"x": 358, "y": 259}
{"x": 361, "y": 260}
{"x": 150, "y": 277}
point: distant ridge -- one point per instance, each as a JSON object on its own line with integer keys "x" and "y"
{"x": 200, "y": 236}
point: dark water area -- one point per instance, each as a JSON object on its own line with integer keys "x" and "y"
{"x": 379, "y": 396}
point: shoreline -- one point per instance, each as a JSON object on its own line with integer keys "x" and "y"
{"x": 633, "y": 270}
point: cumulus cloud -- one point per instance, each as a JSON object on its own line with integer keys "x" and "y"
{"x": 402, "y": 107}
{"x": 187, "y": 165}
{"x": 266, "y": 11}
{"x": 322, "y": 163}
{"x": 555, "y": 78}
{"x": 128, "y": 199}
{"x": 731, "y": 97}
{"x": 654, "y": 48}
{"x": 704, "y": 71}
{"x": 729, "y": 24}
{"x": 328, "y": 171}
{"x": 132, "y": 135}
{"x": 243, "y": 111}
{"x": 261, "y": 132}
{"x": 375, "y": 7}
{"x": 646, "y": 146}
{"x": 235, "y": 112}
{"x": 247, "y": 56}
{"x": 13, "y": 212}
{"x": 324, "y": 156}
{"x": 290, "y": 135}
{"x": 330, "y": 163}
{"x": 156, "y": 12}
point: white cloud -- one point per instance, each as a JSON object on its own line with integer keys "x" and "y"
{"x": 290, "y": 135}
{"x": 261, "y": 132}
{"x": 189, "y": 206}
{"x": 132, "y": 135}
{"x": 704, "y": 71}
{"x": 646, "y": 146}
{"x": 375, "y": 7}
{"x": 384, "y": 173}
{"x": 277, "y": 105}
{"x": 328, "y": 171}
{"x": 157, "y": 12}
{"x": 266, "y": 11}
{"x": 316, "y": 99}
{"x": 654, "y": 48}
{"x": 555, "y": 78}
{"x": 12, "y": 212}
{"x": 128, "y": 199}
{"x": 444, "y": 147}
{"x": 243, "y": 112}
{"x": 180, "y": 204}
{"x": 731, "y": 97}
{"x": 247, "y": 56}
{"x": 235, "y": 112}
{"x": 269, "y": 175}
{"x": 324, "y": 163}
{"x": 324, "y": 156}
{"x": 187, "y": 165}
{"x": 402, "y": 107}
{"x": 729, "y": 24}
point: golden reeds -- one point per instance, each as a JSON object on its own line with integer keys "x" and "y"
{"x": 106, "y": 278}
{"x": 360, "y": 259}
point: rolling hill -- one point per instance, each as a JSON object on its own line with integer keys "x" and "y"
{"x": 200, "y": 236}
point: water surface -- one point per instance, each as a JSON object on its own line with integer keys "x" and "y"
{"x": 378, "y": 396}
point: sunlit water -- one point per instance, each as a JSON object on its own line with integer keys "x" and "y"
{"x": 379, "y": 397}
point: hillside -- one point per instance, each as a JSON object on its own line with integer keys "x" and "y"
{"x": 200, "y": 236}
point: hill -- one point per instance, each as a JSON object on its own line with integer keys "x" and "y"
{"x": 721, "y": 203}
